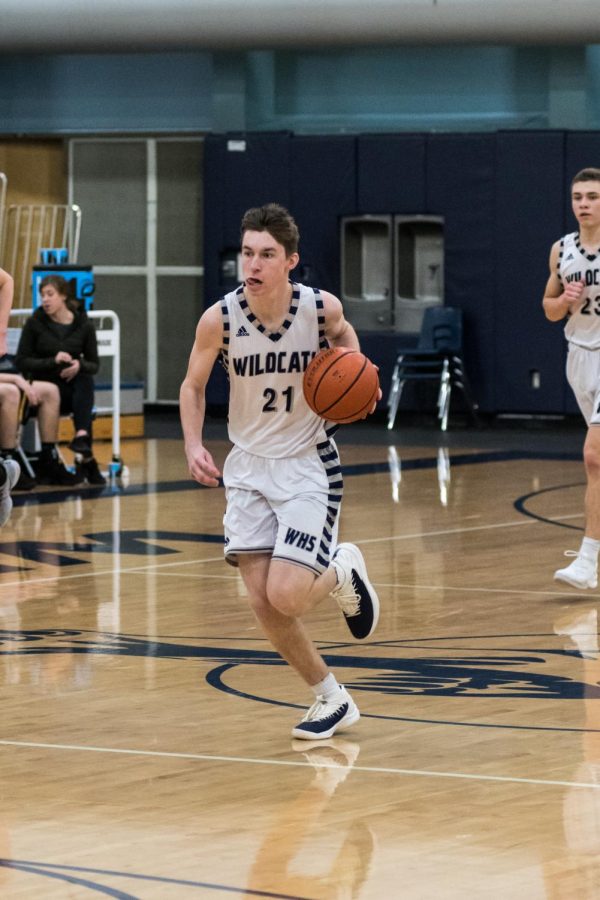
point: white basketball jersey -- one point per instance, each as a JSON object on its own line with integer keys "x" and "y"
{"x": 268, "y": 415}
{"x": 576, "y": 264}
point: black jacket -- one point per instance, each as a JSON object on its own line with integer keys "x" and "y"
{"x": 39, "y": 345}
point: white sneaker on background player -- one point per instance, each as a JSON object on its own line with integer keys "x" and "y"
{"x": 581, "y": 573}
{"x": 9, "y": 475}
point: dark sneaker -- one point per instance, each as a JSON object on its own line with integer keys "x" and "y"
{"x": 354, "y": 593}
{"x": 89, "y": 471}
{"x": 326, "y": 716}
{"x": 11, "y": 473}
{"x": 52, "y": 471}
{"x": 81, "y": 444}
{"x": 25, "y": 482}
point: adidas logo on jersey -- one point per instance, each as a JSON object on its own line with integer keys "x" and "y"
{"x": 570, "y": 256}
{"x": 241, "y": 332}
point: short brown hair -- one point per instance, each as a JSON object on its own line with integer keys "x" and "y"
{"x": 588, "y": 174}
{"x": 277, "y": 221}
{"x": 63, "y": 287}
{"x": 58, "y": 283}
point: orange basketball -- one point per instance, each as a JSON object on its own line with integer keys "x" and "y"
{"x": 341, "y": 385}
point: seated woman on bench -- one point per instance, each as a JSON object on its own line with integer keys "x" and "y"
{"x": 58, "y": 345}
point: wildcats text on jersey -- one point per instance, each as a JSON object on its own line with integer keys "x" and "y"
{"x": 589, "y": 277}
{"x": 282, "y": 362}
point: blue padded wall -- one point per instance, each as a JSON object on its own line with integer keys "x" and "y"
{"x": 390, "y": 174}
{"x": 529, "y": 218}
{"x": 323, "y": 188}
{"x": 582, "y": 149}
{"x": 460, "y": 187}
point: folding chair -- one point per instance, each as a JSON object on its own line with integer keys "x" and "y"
{"x": 437, "y": 357}
{"x": 24, "y": 415}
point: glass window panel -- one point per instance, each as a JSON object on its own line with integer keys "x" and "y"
{"x": 179, "y": 207}
{"x": 109, "y": 184}
{"x": 125, "y": 295}
{"x": 179, "y": 308}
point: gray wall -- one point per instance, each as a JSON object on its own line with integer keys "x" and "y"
{"x": 447, "y": 87}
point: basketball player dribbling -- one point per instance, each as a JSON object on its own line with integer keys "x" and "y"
{"x": 573, "y": 291}
{"x": 282, "y": 478}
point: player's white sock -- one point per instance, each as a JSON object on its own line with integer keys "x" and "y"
{"x": 328, "y": 688}
{"x": 589, "y": 548}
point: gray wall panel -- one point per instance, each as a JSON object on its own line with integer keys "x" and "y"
{"x": 126, "y": 295}
{"x": 179, "y": 207}
{"x": 109, "y": 184}
{"x": 179, "y": 308}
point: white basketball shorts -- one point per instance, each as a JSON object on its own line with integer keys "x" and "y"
{"x": 583, "y": 374}
{"x": 288, "y": 508}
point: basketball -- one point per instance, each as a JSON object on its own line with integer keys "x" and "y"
{"x": 340, "y": 385}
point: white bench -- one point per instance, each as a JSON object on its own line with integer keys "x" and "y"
{"x": 108, "y": 334}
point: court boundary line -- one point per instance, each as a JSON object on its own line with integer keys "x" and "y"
{"x": 144, "y": 570}
{"x": 384, "y": 770}
{"x": 60, "y": 872}
{"x": 393, "y": 537}
{"x": 464, "y": 530}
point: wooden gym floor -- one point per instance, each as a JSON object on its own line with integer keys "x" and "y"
{"x": 145, "y": 747}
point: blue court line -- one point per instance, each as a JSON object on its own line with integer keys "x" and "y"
{"x": 462, "y": 459}
{"x": 215, "y": 680}
{"x": 40, "y": 868}
{"x": 520, "y": 506}
{"x": 164, "y": 487}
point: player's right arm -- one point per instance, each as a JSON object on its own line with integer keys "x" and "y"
{"x": 559, "y": 301}
{"x": 192, "y": 396}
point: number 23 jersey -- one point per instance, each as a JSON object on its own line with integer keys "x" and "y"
{"x": 268, "y": 415}
{"x": 576, "y": 264}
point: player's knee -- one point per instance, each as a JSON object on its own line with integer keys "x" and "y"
{"x": 591, "y": 459}
{"x": 287, "y": 599}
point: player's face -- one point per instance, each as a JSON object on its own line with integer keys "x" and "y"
{"x": 265, "y": 265}
{"x": 585, "y": 198}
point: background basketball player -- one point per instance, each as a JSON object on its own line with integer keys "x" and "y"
{"x": 573, "y": 290}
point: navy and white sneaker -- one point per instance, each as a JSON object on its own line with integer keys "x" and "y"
{"x": 354, "y": 593}
{"x": 12, "y": 470}
{"x": 327, "y": 716}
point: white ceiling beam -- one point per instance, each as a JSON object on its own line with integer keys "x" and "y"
{"x": 122, "y": 25}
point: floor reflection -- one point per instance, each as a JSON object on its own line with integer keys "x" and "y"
{"x": 576, "y": 870}
{"x": 59, "y": 601}
{"x": 442, "y": 467}
{"x": 303, "y": 855}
